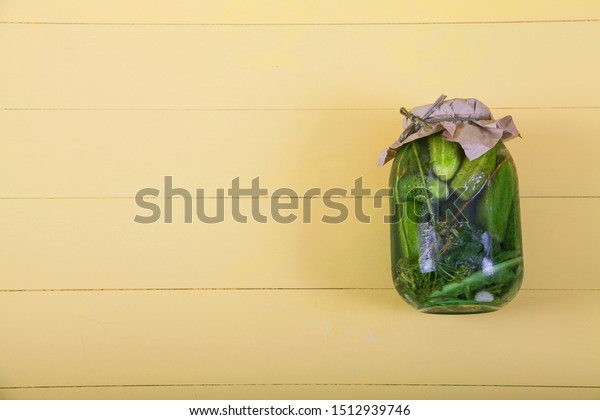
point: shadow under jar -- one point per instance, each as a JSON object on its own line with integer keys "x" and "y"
{"x": 456, "y": 229}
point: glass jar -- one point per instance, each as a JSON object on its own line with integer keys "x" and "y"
{"x": 456, "y": 229}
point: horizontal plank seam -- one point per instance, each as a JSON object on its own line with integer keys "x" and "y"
{"x": 526, "y": 197}
{"x": 292, "y": 24}
{"x": 199, "y": 289}
{"x": 298, "y": 384}
{"x": 271, "y": 109}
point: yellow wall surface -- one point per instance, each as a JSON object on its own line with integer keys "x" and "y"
{"x": 101, "y": 99}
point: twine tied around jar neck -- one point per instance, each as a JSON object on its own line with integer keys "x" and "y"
{"x": 417, "y": 122}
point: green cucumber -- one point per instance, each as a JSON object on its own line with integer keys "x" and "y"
{"x": 473, "y": 174}
{"x": 408, "y": 227}
{"x": 411, "y": 177}
{"x": 401, "y": 164}
{"x": 495, "y": 205}
{"x": 513, "y": 237}
{"x": 410, "y": 187}
{"x": 405, "y": 162}
{"x": 445, "y": 156}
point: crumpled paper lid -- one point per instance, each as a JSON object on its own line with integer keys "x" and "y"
{"x": 467, "y": 122}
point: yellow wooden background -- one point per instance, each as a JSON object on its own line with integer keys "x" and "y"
{"x": 100, "y": 99}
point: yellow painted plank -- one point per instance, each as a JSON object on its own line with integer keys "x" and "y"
{"x": 295, "y": 337}
{"x": 69, "y": 66}
{"x": 287, "y": 392}
{"x": 275, "y": 11}
{"x": 81, "y": 244}
{"x": 106, "y": 154}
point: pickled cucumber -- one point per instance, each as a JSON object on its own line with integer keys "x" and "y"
{"x": 445, "y": 156}
{"x": 473, "y": 174}
{"x": 494, "y": 207}
{"x": 513, "y": 238}
{"x": 410, "y": 187}
{"x": 408, "y": 228}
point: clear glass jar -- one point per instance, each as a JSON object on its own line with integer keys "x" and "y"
{"x": 456, "y": 231}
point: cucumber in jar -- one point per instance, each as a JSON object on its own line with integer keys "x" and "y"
{"x": 473, "y": 174}
{"x": 445, "y": 156}
{"x": 494, "y": 207}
